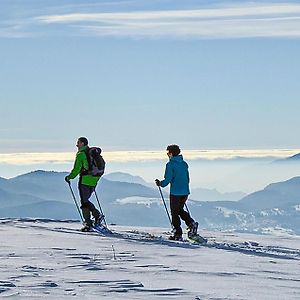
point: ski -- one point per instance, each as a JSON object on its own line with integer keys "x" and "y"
{"x": 99, "y": 228}
{"x": 194, "y": 240}
{"x": 102, "y": 229}
{"x": 197, "y": 239}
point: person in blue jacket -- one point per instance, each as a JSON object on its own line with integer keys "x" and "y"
{"x": 177, "y": 175}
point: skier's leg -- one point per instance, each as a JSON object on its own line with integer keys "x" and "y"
{"x": 85, "y": 193}
{"x": 184, "y": 214}
{"x": 189, "y": 221}
{"x": 95, "y": 212}
{"x": 175, "y": 210}
{"x": 86, "y": 214}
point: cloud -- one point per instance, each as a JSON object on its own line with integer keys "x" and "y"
{"x": 240, "y": 21}
{"x": 35, "y": 158}
{"x": 15, "y": 31}
{"x": 136, "y": 156}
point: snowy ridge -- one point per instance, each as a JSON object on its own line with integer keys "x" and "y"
{"x": 122, "y": 232}
{"x": 53, "y": 259}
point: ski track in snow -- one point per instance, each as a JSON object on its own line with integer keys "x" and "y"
{"x": 54, "y": 260}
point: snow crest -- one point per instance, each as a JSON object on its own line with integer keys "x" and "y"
{"x": 54, "y": 260}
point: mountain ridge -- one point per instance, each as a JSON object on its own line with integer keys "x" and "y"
{"x": 277, "y": 205}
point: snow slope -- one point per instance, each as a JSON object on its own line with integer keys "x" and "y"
{"x": 53, "y": 260}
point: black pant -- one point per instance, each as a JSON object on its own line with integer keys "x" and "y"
{"x": 177, "y": 212}
{"x": 87, "y": 207}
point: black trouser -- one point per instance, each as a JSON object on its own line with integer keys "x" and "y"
{"x": 177, "y": 212}
{"x": 87, "y": 207}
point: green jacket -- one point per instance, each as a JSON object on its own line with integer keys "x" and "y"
{"x": 81, "y": 163}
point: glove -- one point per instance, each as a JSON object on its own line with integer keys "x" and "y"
{"x": 67, "y": 179}
{"x": 157, "y": 181}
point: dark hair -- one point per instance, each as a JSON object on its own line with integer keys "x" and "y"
{"x": 174, "y": 149}
{"x": 83, "y": 140}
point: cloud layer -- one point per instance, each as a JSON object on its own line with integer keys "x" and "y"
{"x": 239, "y": 21}
{"x": 135, "y": 156}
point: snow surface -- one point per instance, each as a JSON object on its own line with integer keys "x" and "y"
{"x": 53, "y": 260}
{"x": 139, "y": 200}
{"x": 227, "y": 213}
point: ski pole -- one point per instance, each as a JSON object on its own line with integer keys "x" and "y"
{"x": 100, "y": 208}
{"x": 162, "y": 197}
{"x": 187, "y": 208}
{"x": 74, "y": 198}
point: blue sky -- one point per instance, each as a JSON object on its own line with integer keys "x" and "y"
{"x": 138, "y": 75}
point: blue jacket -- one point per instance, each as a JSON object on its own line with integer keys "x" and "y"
{"x": 177, "y": 174}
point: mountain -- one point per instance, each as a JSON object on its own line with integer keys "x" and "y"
{"x": 112, "y": 190}
{"x": 44, "y": 209}
{"x": 295, "y": 157}
{"x": 213, "y": 195}
{"x": 47, "y": 185}
{"x": 3, "y": 179}
{"x": 29, "y": 191}
{"x": 46, "y": 195}
{"x": 125, "y": 177}
{"x": 275, "y": 195}
{"x": 291, "y": 159}
{"x": 51, "y": 186}
{"x": 276, "y": 206}
{"x": 9, "y": 199}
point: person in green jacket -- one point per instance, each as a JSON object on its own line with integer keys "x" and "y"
{"x": 86, "y": 185}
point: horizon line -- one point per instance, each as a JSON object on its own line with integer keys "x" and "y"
{"x": 123, "y": 156}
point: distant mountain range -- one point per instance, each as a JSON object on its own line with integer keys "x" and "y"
{"x": 199, "y": 194}
{"x": 43, "y": 194}
{"x": 290, "y": 159}
{"x": 276, "y": 206}
{"x": 19, "y": 196}
{"x": 126, "y": 177}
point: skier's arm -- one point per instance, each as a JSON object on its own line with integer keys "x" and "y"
{"x": 168, "y": 175}
{"x": 77, "y": 166}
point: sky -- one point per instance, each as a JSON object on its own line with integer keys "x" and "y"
{"x": 139, "y": 75}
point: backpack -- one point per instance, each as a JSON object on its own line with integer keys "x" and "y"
{"x": 96, "y": 161}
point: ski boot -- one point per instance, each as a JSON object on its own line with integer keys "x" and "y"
{"x": 175, "y": 237}
{"x": 98, "y": 220}
{"x": 192, "y": 230}
{"x": 86, "y": 228}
